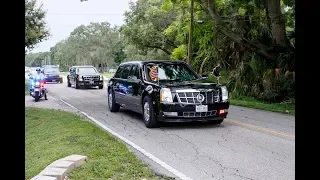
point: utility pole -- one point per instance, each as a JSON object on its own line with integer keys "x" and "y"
{"x": 190, "y": 33}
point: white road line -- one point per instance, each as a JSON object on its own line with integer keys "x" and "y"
{"x": 143, "y": 151}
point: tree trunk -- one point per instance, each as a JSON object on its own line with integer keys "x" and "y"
{"x": 278, "y": 30}
{"x": 202, "y": 64}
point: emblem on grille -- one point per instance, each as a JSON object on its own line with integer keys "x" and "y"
{"x": 200, "y": 98}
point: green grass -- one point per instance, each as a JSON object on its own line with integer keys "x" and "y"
{"x": 274, "y": 107}
{"x": 26, "y": 86}
{"x": 64, "y": 73}
{"x": 108, "y": 75}
{"x": 53, "y": 134}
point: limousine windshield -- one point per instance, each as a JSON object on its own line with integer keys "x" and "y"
{"x": 166, "y": 72}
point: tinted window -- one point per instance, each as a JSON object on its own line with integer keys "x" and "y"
{"x": 51, "y": 70}
{"x": 169, "y": 72}
{"x": 125, "y": 72}
{"x": 133, "y": 70}
{"x": 137, "y": 72}
{"x": 87, "y": 70}
{"x": 118, "y": 73}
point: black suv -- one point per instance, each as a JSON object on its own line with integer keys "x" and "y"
{"x": 86, "y": 76}
{"x": 168, "y": 91}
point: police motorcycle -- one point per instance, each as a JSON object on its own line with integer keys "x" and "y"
{"x": 37, "y": 89}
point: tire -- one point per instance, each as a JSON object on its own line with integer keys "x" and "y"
{"x": 36, "y": 97}
{"x": 101, "y": 87}
{"x": 61, "y": 80}
{"x": 113, "y": 106}
{"x": 148, "y": 117}
{"x": 77, "y": 84}
{"x": 216, "y": 121}
{"x": 69, "y": 84}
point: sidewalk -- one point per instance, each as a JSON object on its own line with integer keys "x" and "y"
{"x": 52, "y": 103}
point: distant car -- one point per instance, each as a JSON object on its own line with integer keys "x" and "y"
{"x": 85, "y": 76}
{"x": 52, "y": 74}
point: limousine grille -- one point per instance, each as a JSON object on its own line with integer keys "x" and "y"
{"x": 91, "y": 78}
{"x": 190, "y": 97}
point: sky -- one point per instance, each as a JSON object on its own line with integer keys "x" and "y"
{"x": 63, "y": 16}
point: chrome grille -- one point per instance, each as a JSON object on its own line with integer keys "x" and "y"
{"x": 199, "y": 114}
{"x": 190, "y": 97}
{"x": 91, "y": 78}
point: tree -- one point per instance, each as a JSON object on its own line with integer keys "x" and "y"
{"x": 35, "y": 25}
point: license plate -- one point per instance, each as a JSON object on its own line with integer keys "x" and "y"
{"x": 53, "y": 80}
{"x": 36, "y": 90}
{"x": 202, "y": 108}
{"x": 91, "y": 82}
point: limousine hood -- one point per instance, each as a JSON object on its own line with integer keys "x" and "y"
{"x": 173, "y": 86}
{"x": 89, "y": 74}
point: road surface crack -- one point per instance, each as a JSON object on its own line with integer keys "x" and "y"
{"x": 243, "y": 177}
{"x": 223, "y": 138}
{"x": 192, "y": 144}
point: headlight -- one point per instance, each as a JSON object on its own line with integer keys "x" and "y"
{"x": 37, "y": 83}
{"x": 101, "y": 77}
{"x": 60, "y": 76}
{"x": 224, "y": 93}
{"x": 165, "y": 95}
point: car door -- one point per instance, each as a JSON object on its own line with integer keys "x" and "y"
{"x": 122, "y": 86}
{"x": 115, "y": 83}
{"x": 134, "y": 88}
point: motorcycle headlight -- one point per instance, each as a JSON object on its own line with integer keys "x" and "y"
{"x": 224, "y": 93}
{"x": 165, "y": 95}
{"x": 37, "y": 83}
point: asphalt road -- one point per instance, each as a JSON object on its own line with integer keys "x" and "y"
{"x": 249, "y": 144}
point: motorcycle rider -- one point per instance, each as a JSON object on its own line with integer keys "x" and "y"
{"x": 41, "y": 76}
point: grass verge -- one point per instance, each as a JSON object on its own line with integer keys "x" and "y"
{"x": 26, "y": 87}
{"x": 108, "y": 75}
{"x": 274, "y": 107}
{"x": 53, "y": 134}
{"x": 64, "y": 73}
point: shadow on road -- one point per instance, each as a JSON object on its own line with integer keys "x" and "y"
{"x": 174, "y": 125}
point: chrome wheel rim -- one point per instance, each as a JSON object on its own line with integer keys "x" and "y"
{"x": 146, "y": 111}
{"x": 110, "y": 100}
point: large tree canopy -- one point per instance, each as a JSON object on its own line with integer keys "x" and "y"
{"x": 35, "y": 25}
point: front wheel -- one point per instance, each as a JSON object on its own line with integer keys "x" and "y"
{"x": 77, "y": 84}
{"x": 69, "y": 84}
{"x": 101, "y": 87}
{"x": 148, "y": 113}
{"x": 61, "y": 80}
{"x": 36, "y": 97}
{"x": 113, "y": 106}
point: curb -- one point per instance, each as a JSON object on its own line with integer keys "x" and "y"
{"x": 60, "y": 168}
